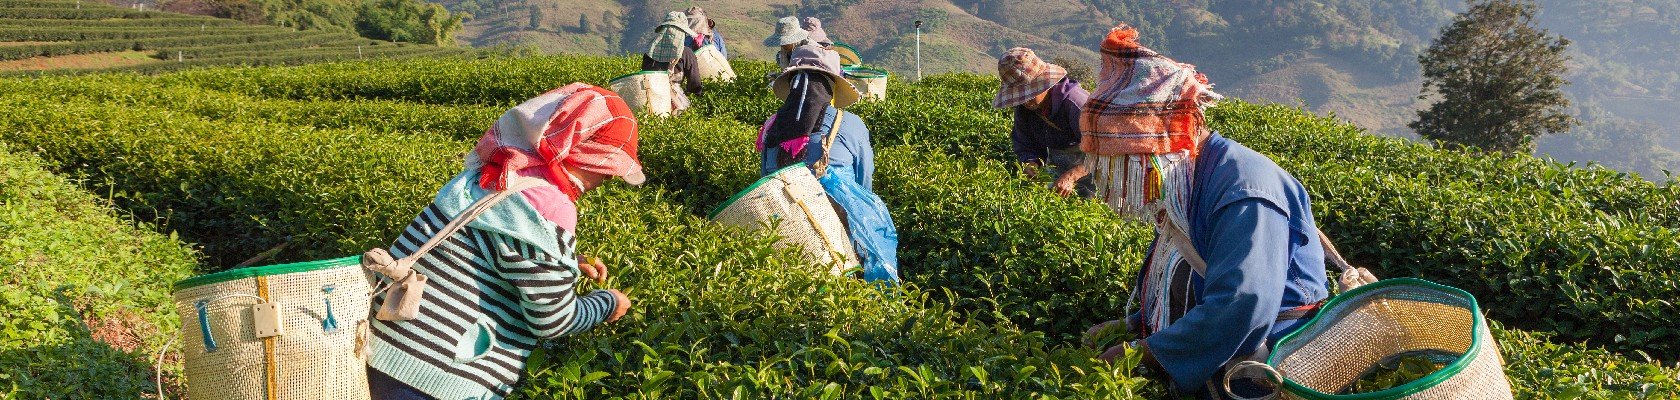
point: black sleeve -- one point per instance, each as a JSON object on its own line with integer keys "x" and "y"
{"x": 691, "y": 72}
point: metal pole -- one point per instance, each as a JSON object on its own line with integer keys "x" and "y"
{"x": 918, "y": 50}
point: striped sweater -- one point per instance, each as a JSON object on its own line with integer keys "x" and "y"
{"x": 495, "y": 288}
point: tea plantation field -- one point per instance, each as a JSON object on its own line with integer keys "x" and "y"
{"x": 114, "y": 185}
{"x": 54, "y": 29}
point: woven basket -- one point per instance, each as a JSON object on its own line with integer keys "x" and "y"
{"x": 848, "y": 56}
{"x": 712, "y": 64}
{"x": 870, "y": 82}
{"x": 323, "y": 308}
{"x": 648, "y": 91}
{"x": 792, "y": 201}
{"x": 1364, "y": 326}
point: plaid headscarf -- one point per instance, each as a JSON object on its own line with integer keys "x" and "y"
{"x": 1022, "y": 76}
{"x": 578, "y": 125}
{"x": 670, "y": 37}
{"x": 1145, "y": 103}
{"x": 1141, "y": 131}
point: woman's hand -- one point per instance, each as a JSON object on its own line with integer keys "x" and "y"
{"x": 594, "y": 269}
{"x": 1030, "y": 169}
{"x": 1067, "y": 183}
{"x": 623, "y": 305}
{"x": 1102, "y": 335}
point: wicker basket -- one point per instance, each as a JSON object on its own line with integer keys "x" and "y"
{"x": 648, "y": 91}
{"x": 1371, "y": 323}
{"x": 322, "y": 309}
{"x": 848, "y": 56}
{"x": 870, "y": 82}
{"x": 712, "y": 64}
{"x": 792, "y": 201}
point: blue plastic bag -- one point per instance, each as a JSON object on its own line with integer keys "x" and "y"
{"x": 868, "y": 223}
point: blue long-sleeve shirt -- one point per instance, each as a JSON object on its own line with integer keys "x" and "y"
{"x": 1034, "y": 134}
{"x": 716, "y": 39}
{"x": 1253, "y": 224}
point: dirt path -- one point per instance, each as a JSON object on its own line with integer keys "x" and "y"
{"x": 80, "y": 61}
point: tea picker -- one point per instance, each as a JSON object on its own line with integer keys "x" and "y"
{"x": 811, "y": 128}
{"x": 460, "y": 299}
{"x": 710, "y": 55}
{"x": 670, "y": 71}
{"x": 1236, "y": 273}
{"x": 1046, "y": 105}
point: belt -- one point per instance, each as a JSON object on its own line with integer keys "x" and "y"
{"x": 1302, "y": 312}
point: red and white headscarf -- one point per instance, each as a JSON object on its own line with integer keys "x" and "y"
{"x": 578, "y": 125}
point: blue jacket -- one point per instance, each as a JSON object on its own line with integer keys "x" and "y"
{"x": 1253, "y": 224}
{"x": 1033, "y": 134}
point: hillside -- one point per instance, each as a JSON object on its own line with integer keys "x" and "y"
{"x": 1556, "y": 254}
{"x": 47, "y": 35}
{"x": 1353, "y": 58}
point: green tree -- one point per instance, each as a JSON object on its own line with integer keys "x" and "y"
{"x": 536, "y": 14}
{"x": 1496, "y": 80}
{"x": 408, "y": 21}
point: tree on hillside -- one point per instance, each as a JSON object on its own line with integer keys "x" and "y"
{"x": 536, "y": 18}
{"x": 1497, "y": 80}
{"x": 408, "y": 21}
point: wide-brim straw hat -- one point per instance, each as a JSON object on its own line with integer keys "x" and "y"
{"x": 827, "y": 62}
{"x": 787, "y": 32}
{"x": 1023, "y": 76}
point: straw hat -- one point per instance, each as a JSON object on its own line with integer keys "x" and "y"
{"x": 814, "y": 58}
{"x": 1024, "y": 76}
{"x": 787, "y": 32}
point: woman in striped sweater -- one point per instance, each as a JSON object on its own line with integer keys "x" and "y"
{"x": 507, "y": 280}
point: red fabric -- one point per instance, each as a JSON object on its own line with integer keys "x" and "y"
{"x": 589, "y": 129}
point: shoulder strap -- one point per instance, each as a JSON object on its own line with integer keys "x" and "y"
{"x": 472, "y": 212}
{"x": 1177, "y": 237}
{"x": 821, "y": 166}
{"x": 1046, "y": 120}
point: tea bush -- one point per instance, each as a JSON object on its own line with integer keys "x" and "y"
{"x": 238, "y": 187}
{"x": 68, "y": 27}
{"x": 701, "y": 335}
{"x": 67, "y": 260}
{"x": 1001, "y": 273}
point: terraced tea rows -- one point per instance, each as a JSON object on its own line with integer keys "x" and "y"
{"x": 336, "y": 157}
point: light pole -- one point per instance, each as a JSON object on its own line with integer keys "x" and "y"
{"x": 918, "y": 50}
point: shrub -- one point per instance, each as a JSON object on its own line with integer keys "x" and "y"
{"x": 67, "y": 261}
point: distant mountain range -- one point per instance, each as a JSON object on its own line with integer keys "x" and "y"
{"x": 1353, "y": 58}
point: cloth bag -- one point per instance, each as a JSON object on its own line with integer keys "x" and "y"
{"x": 649, "y": 91}
{"x": 712, "y": 64}
{"x": 868, "y": 222}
